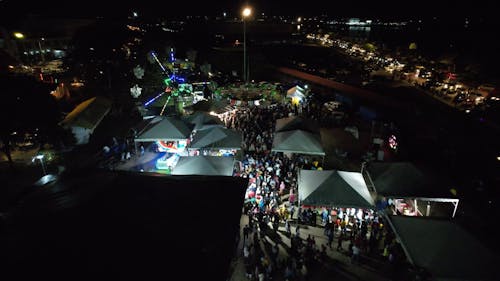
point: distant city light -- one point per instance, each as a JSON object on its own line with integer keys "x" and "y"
{"x": 18, "y": 35}
{"x": 135, "y": 14}
{"x": 299, "y": 19}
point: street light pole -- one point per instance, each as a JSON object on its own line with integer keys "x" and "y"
{"x": 244, "y": 51}
{"x": 246, "y": 13}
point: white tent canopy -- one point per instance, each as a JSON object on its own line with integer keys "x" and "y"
{"x": 444, "y": 249}
{"x": 168, "y": 129}
{"x": 217, "y": 138}
{"x": 203, "y": 120}
{"x": 204, "y": 165}
{"x": 334, "y": 188}
{"x": 296, "y": 92}
{"x": 297, "y": 141}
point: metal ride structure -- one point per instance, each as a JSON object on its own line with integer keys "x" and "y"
{"x": 174, "y": 85}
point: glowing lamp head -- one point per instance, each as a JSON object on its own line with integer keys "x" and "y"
{"x": 246, "y": 12}
{"x": 18, "y": 35}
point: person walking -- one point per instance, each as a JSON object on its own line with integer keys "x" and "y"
{"x": 339, "y": 241}
{"x": 287, "y": 228}
{"x": 329, "y": 234}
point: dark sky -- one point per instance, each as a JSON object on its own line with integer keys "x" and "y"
{"x": 372, "y": 8}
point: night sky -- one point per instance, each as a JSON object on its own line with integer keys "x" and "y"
{"x": 372, "y": 8}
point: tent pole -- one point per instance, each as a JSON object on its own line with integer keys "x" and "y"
{"x": 455, "y": 210}
{"x": 408, "y": 256}
{"x": 416, "y": 207}
{"x": 136, "y": 149}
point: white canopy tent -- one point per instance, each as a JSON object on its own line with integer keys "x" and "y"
{"x": 203, "y": 120}
{"x": 334, "y": 188}
{"x": 204, "y": 165}
{"x": 298, "y": 141}
{"x": 217, "y": 138}
{"x": 168, "y": 129}
{"x": 444, "y": 249}
{"x": 296, "y": 92}
{"x": 296, "y": 123}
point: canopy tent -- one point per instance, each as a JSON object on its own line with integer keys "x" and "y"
{"x": 404, "y": 180}
{"x": 296, "y": 92}
{"x": 85, "y": 118}
{"x": 215, "y": 106}
{"x": 335, "y": 188}
{"x": 297, "y": 141}
{"x": 217, "y": 138}
{"x": 444, "y": 249}
{"x": 204, "y": 165}
{"x": 296, "y": 123}
{"x": 203, "y": 120}
{"x": 168, "y": 129}
{"x": 88, "y": 114}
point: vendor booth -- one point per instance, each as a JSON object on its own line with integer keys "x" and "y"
{"x": 345, "y": 191}
{"x": 203, "y": 120}
{"x": 333, "y": 188}
{"x": 410, "y": 190}
{"x": 297, "y": 94}
{"x": 298, "y": 141}
{"x": 216, "y": 141}
{"x": 170, "y": 136}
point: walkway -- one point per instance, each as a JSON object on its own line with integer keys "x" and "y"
{"x": 336, "y": 267}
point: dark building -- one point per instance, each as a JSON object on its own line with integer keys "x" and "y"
{"x": 99, "y": 225}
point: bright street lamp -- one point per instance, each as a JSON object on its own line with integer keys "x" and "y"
{"x": 40, "y": 157}
{"x": 247, "y": 11}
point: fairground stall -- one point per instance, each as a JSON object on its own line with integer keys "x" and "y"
{"x": 344, "y": 192}
{"x": 404, "y": 189}
{"x": 169, "y": 137}
{"x": 216, "y": 141}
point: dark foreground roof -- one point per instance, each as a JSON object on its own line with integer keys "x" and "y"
{"x": 123, "y": 226}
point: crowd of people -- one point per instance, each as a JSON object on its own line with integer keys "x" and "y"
{"x": 271, "y": 202}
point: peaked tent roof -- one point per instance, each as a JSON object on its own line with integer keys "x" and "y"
{"x": 202, "y": 119}
{"x": 88, "y": 114}
{"x": 217, "y": 106}
{"x": 169, "y": 128}
{"x": 296, "y": 91}
{"x": 296, "y": 123}
{"x": 445, "y": 249}
{"x": 204, "y": 165}
{"x": 405, "y": 180}
{"x": 298, "y": 141}
{"x": 336, "y": 188}
{"x": 217, "y": 137}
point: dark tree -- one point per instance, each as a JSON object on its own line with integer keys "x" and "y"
{"x": 27, "y": 106}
